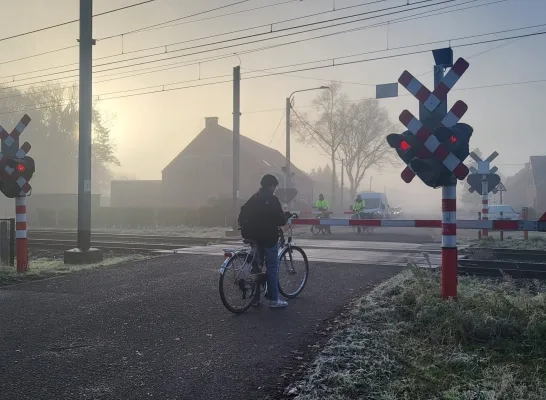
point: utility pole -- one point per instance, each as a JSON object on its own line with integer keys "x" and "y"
{"x": 236, "y": 137}
{"x": 86, "y": 116}
{"x": 84, "y": 253}
{"x": 287, "y": 169}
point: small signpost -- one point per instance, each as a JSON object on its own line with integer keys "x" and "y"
{"x": 500, "y": 188}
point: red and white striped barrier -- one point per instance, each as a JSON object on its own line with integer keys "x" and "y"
{"x": 494, "y": 225}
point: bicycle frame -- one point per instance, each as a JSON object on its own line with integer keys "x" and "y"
{"x": 250, "y": 250}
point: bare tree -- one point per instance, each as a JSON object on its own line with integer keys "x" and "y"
{"x": 327, "y": 131}
{"x": 364, "y": 145}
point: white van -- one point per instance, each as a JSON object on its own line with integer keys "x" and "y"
{"x": 376, "y": 204}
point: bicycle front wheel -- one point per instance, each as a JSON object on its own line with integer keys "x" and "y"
{"x": 293, "y": 271}
{"x": 237, "y": 286}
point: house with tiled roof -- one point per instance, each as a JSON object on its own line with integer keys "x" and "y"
{"x": 203, "y": 171}
{"x": 527, "y": 188}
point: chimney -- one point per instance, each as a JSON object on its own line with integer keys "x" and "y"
{"x": 211, "y": 122}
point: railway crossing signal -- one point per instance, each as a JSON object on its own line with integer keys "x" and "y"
{"x": 475, "y": 183}
{"x": 483, "y": 179}
{"x": 286, "y": 195}
{"x": 487, "y": 179}
{"x": 16, "y": 170}
{"x": 434, "y": 148}
{"x": 442, "y": 142}
{"x": 16, "y": 167}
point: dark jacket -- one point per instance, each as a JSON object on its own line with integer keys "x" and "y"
{"x": 266, "y": 215}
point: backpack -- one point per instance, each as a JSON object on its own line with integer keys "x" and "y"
{"x": 249, "y": 217}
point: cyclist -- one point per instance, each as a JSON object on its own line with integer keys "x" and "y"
{"x": 260, "y": 219}
{"x": 358, "y": 208}
{"x": 322, "y": 205}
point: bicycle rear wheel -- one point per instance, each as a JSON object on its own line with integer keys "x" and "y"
{"x": 237, "y": 286}
{"x": 293, "y": 271}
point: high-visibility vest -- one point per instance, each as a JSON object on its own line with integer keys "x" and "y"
{"x": 359, "y": 205}
{"x": 321, "y": 204}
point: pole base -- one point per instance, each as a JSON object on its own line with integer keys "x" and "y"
{"x": 77, "y": 256}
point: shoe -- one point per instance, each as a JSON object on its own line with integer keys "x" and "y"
{"x": 277, "y": 303}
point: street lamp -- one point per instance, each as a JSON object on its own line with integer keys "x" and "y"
{"x": 288, "y": 108}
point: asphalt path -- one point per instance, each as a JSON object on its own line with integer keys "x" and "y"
{"x": 157, "y": 329}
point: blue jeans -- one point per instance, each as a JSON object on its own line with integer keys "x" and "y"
{"x": 272, "y": 270}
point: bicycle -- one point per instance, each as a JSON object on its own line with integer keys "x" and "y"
{"x": 323, "y": 229}
{"x": 250, "y": 275}
{"x": 359, "y": 230}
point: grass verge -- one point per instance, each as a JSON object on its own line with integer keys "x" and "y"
{"x": 534, "y": 243}
{"x": 41, "y": 268}
{"x": 402, "y": 341}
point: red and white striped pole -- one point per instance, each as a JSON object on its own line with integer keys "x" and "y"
{"x": 485, "y": 203}
{"x": 21, "y": 233}
{"x": 449, "y": 241}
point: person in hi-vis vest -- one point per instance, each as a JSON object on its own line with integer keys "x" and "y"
{"x": 322, "y": 205}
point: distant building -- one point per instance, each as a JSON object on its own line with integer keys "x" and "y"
{"x": 527, "y": 188}
{"x": 203, "y": 173}
{"x": 135, "y": 193}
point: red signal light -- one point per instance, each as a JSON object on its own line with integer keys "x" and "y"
{"x": 20, "y": 168}
{"x": 453, "y": 139}
{"x": 405, "y": 145}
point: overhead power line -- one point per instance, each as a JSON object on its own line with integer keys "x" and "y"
{"x": 277, "y": 128}
{"x": 230, "y": 40}
{"x": 145, "y": 29}
{"x": 176, "y": 19}
{"x": 75, "y": 20}
{"x": 332, "y": 61}
{"x": 48, "y": 105}
{"x": 164, "y": 89}
{"x": 260, "y": 26}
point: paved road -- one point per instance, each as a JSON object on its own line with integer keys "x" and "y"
{"x": 346, "y": 251}
{"x": 157, "y": 329}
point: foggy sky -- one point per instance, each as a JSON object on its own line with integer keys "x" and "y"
{"x": 152, "y": 129}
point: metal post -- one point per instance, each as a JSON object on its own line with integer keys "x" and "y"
{"x": 342, "y": 183}
{"x": 21, "y": 233}
{"x": 501, "y": 232}
{"x": 524, "y": 216}
{"x": 485, "y": 204}
{"x": 449, "y": 241}
{"x": 236, "y": 138}
{"x": 479, "y": 230}
{"x": 86, "y": 117}
{"x": 449, "y": 215}
{"x": 501, "y": 203}
{"x": 4, "y": 242}
{"x": 287, "y": 169}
